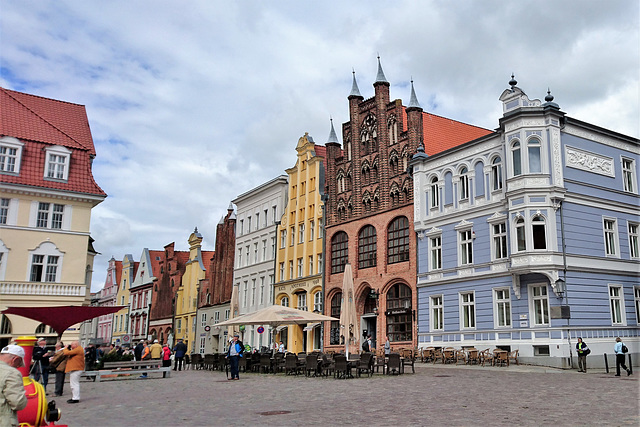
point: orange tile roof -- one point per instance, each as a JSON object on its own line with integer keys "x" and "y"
{"x": 118, "y": 273}
{"x": 42, "y": 122}
{"x": 441, "y": 133}
{"x": 155, "y": 263}
{"x": 320, "y": 150}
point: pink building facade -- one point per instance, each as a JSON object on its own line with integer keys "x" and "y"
{"x": 107, "y": 297}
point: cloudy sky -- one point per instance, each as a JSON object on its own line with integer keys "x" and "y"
{"x": 192, "y": 103}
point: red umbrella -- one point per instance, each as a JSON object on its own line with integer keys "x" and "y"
{"x": 62, "y": 317}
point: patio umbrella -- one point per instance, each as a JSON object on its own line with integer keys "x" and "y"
{"x": 348, "y": 318}
{"x": 61, "y": 317}
{"x": 235, "y": 308}
{"x": 277, "y": 315}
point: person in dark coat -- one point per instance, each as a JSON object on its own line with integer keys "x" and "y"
{"x": 179, "y": 351}
{"x": 583, "y": 350}
{"x": 41, "y": 362}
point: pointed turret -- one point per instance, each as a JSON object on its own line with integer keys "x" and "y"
{"x": 354, "y": 87}
{"x": 332, "y": 134}
{"x": 380, "y": 78}
{"x": 413, "y": 101}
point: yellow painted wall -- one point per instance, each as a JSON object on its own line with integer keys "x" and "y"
{"x": 122, "y": 298}
{"x": 303, "y": 207}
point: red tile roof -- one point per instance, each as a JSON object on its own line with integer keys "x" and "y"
{"x": 118, "y": 273}
{"x": 155, "y": 262}
{"x": 42, "y": 122}
{"x": 320, "y": 150}
{"x": 441, "y": 133}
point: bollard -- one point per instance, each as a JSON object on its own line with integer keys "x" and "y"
{"x": 606, "y": 363}
{"x": 630, "y": 364}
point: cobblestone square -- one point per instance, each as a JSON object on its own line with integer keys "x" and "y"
{"x": 434, "y": 395}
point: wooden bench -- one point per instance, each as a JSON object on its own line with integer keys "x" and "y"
{"x": 128, "y": 368}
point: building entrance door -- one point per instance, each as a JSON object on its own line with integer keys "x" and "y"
{"x": 368, "y": 326}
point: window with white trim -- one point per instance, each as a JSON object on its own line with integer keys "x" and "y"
{"x": 227, "y": 314}
{"x": 216, "y": 317}
{"x": 538, "y": 229}
{"x": 467, "y": 310}
{"x": 616, "y": 303}
{"x": 247, "y": 252}
{"x": 502, "y": 308}
{"x": 629, "y": 175}
{"x": 636, "y": 297}
{"x": 262, "y": 290}
{"x": 203, "y": 319}
{"x": 437, "y": 313}
{"x": 264, "y": 250}
{"x": 240, "y": 257}
{"x": 466, "y": 247}
{"x": 319, "y": 258}
{"x": 253, "y": 292}
{"x": 291, "y": 269}
{"x": 496, "y": 174}
{"x": 50, "y": 215}
{"x": 284, "y": 302}
{"x": 436, "y": 252}
{"x": 301, "y": 233}
{"x": 310, "y": 265}
{"x": 255, "y": 253}
{"x": 499, "y": 240}
{"x": 521, "y": 237}
{"x": 539, "y": 300}
{"x": 312, "y": 229}
{"x": 273, "y": 247}
{"x": 57, "y": 163}
{"x": 293, "y": 236}
{"x": 10, "y": 155}
{"x": 245, "y": 293}
{"x": 300, "y": 267}
{"x": 317, "y": 301}
{"x": 533, "y": 150}
{"x": 203, "y": 342}
{"x": 302, "y": 301}
{"x": 633, "y": 240}
{"x": 4, "y": 210}
{"x": 281, "y": 271}
{"x": 46, "y": 263}
{"x": 283, "y": 238}
{"x": 241, "y": 227}
{"x": 435, "y": 196}
{"x": 516, "y": 158}
{"x": 464, "y": 184}
{"x": 610, "y": 236}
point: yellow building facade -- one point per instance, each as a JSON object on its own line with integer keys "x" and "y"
{"x": 187, "y": 295}
{"x": 120, "y": 333}
{"x": 300, "y": 241}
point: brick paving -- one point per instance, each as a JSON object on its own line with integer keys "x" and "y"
{"x": 434, "y": 395}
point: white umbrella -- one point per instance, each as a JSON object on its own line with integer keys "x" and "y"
{"x": 234, "y": 308}
{"x": 348, "y": 318}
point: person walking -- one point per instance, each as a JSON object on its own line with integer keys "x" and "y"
{"x": 59, "y": 362}
{"x": 234, "y": 353}
{"x": 620, "y": 355}
{"x": 75, "y": 366}
{"x": 387, "y": 346}
{"x": 180, "y": 350}
{"x": 583, "y": 350}
{"x": 40, "y": 367}
{"x": 12, "y": 395}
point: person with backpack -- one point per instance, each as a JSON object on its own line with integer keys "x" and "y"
{"x": 620, "y": 349}
{"x": 234, "y": 353}
{"x": 583, "y": 350}
{"x": 366, "y": 346}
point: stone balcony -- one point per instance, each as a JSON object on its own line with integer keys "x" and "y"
{"x": 43, "y": 288}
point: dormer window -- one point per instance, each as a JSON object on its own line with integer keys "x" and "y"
{"x": 57, "y": 163}
{"x": 10, "y": 155}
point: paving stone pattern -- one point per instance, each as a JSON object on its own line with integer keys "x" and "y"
{"x": 435, "y": 395}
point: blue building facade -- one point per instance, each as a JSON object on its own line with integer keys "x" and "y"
{"x": 528, "y": 237}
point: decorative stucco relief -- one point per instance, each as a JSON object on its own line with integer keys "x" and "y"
{"x": 590, "y": 162}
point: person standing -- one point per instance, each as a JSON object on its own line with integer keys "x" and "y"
{"x": 180, "y": 350}
{"x": 583, "y": 350}
{"x": 146, "y": 355}
{"x": 387, "y": 346}
{"x": 59, "y": 362}
{"x": 166, "y": 358}
{"x": 137, "y": 351}
{"x": 234, "y": 353}
{"x": 40, "y": 367}
{"x": 75, "y": 366}
{"x": 12, "y": 395}
{"x": 620, "y": 355}
{"x": 156, "y": 350}
{"x": 281, "y": 347}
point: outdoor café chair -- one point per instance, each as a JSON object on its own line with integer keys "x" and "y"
{"x": 461, "y": 356}
{"x": 207, "y": 362}
{"x": 501, "y": 358}
{"x": 409, "y": 359}
{"x": 380, "y": 361}
{"x": 196, "y": 361}
{"x": 428, "y": 354}
{"x": 311, "y": 364}
{"x": 513, "y": 355}
{"x": 327, "y": 365}
{"x": 365, "y": 364}
{"x": 449, "y": 355}
{"x": 341, "y": 366}
{"x": 291, "y": 364}
{"x": 438, "y": 355}
{"x": 473, "y": 356}
{"x": 486, "y": 356}
{"x": 265, "y": 363}
{"x": 393, "y": 364}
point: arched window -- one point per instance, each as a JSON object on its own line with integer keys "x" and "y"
{"x": 317, "y": 301}
{"x": 517, "y": 161}
{"x": 538, "y": 228}
{"x": 284, "y": 302}
{"x": 399, "y": 325}
{"x": 5, "y": 325}
{"x": 41, "y": 329}
{"x": 367, "y": 247}
{"x": 533, "y": 149}
{"x": 520, "y": 235}
{"x": 339, "y": 252}
{"x": 496, "y": 174}
{"x": 398, "y": 240}
{"x": 464, "y": 184}
{"x": 336, "y": 303}
{"x": 435, "y": 196}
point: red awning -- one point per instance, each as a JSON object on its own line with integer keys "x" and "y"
{"x": 62, "y": 317}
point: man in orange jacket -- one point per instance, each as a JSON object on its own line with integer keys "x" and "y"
{"x": 75, "y": 366}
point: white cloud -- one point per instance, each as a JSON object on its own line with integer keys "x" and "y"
{"x": 193, "y": 103}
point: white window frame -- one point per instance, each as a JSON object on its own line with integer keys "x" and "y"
{"x": 302, "y": 301}
{"x": 301, "y": 233}
{"x": 534, "y": 144}
{"x": 283, "y": 238}
{"x": 291, "y": 269}
{"x": 634, "y": 239}
{"x": 616, "y": 300}
{"x": 435, "y": 252}
{"x": 203, "y": 319}
{"x": 253, "y": 292}
{"x": 312, "y": 229}
{"x": 216, "y": 317}
{"x": 44, "y": 213}
{"x": 436, "y": 305}
{"x": 520, "y": 233}
{"x": 538, "y": 220}
{"x": 282, "y": 271}
{"x": 248, "y": 253}
{"x": 240, "y": 258}
{"x": 499, "y": 241}
{"x": 47, "y": 250}
{"x": 57, "y": 162}
{"x": 629, "y": 183}
{"x": 227, "y": 314}
{"x": 255, "y": 253}
{"x": 468, "y": 308}
{"x": 245, "y": 293}
{"x": 434, "y": 199}
{"x": 203, "y": 343}
{"x": 516, "y": 146}
{"x": 317, "y": 301}
{"x": 262, "y": 290}
{"x": 8, "y": 144}
{"x": 463, "y": 182}
{"x": 497, "y": 180}
{"x": 310, "y": 265}
{"x": 636, "y": 298}
{"x": 319, "y": 259}
{"x": 293, "y": 236}
{"x": 465, "y": 247}
{"x": 610, "y": 235}
{"x": 300, "y": 267}
{"x": 502, "y": 305}
{"x": 264, "y": 250}
{"x": 284, "y": 301}
{"x": 544, "y": 301}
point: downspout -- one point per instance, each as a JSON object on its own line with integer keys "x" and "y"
{"x": 324, "y": 198}
{"x": 564, "y": 274}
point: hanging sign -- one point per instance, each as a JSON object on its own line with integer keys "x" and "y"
{"x": 260, "y": 329}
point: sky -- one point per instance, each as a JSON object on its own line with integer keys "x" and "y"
{"x": 192, "y": 103}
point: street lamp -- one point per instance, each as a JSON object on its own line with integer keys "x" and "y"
{"x": 561, "y": 287}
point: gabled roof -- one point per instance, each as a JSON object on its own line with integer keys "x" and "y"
{"x": 118, "y": 273}
{"x": 321, "y": 151}
{"x": 42, "y": 123}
